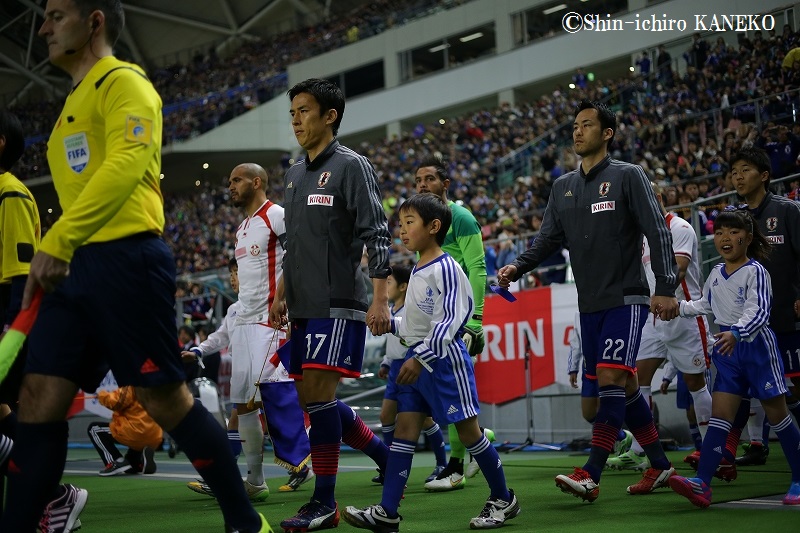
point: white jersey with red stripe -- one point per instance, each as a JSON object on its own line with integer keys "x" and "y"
{"x": 684, "y": 243}
{"x": 259, "y": 254}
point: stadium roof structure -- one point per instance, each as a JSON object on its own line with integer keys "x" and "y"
{"x": 157, "y": 32}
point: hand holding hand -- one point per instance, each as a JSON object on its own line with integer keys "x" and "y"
{"x": 664, "y": 307}
{"x": 378, "y": 319}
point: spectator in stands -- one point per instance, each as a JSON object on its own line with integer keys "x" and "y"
{"x": 579, "y": 79}
{"x": 199, "y": 305}
{"x": 643, "y": 62}
{"x": 783, "y": 147}
{"x": 507, "y": 251}
{"x": 491, "y": 263}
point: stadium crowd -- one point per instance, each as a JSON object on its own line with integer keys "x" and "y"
{"x": 210, "y": 90}
{"x": 682, "y": 130}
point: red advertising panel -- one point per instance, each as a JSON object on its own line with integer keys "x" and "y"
{"x": 512, "y": 329}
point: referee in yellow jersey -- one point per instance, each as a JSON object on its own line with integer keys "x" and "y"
{"x": 109, "y": 278}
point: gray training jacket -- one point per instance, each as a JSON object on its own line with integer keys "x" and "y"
{"x": 778, "y": 218}
{"x": 601, "y": 217}
{"x": 332, "y": 209}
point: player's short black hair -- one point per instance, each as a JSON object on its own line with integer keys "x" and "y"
{"x": 112, "y": 9}
{"x": 437, "y": 164}
{"x": 327, "y": 94}
{"x": 11, "y": 129}
{"x": 401, "y": 273}
{"x": 608, "y": 120}
{"x": 756, "y": 157}
{"x": 430, "y": 207}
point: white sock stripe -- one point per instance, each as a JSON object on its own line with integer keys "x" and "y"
{"x": 480, "y": 446}
{"x": 317, "y": 408}
{"x": 399, "y": 447}
{"x": 719, "y": 423}
{"x": 617, "y": 392}
{"x": 387, "y": 429}
{"x": 432, "y": 430}
{"x": 630, "y": 400}
{"x": 783, "y": 424}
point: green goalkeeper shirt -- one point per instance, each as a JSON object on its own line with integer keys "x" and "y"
{"x": 465, "y": 244}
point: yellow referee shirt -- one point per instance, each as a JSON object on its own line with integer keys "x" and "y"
{"x": 20, "y": 230}
{"x": 105, "y": 157}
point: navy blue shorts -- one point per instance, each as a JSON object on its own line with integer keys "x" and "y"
{"x": 448, "y": 394}
{"x": 115, "y": 310}
{"x": 610, "y": 338}
{"x": 392, "y": 388}
{"x": 327, "y": 344}
{"x": 683, "y": 398}
{"x": 753, "y": 369}
{"x": 789, "y": 345}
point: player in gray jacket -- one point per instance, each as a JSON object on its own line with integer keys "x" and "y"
{"x": 778, "y": 219}
{"x": 332, "y": 210}
{"x": 601, "y": 210}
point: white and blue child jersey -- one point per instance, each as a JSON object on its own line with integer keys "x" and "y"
{"x": 741, "y": 302}
{"x": 438, "y": 304}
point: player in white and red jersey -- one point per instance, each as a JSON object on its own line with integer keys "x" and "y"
{"x": 685, "y": 341}
{"x": 259, "y": 254}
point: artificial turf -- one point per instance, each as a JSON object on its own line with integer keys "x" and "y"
{"x": 162, "y": 503}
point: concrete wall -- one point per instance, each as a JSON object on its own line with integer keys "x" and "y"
{"x": 268, "y": 127}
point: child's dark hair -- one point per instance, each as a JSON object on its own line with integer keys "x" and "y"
{"x": 401, "y": 273}
{"x": 232, "y": 263}
{"x": 757, "y": 158}
{"x": 759, "y": 248}
{"x": 430, "y": 207}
